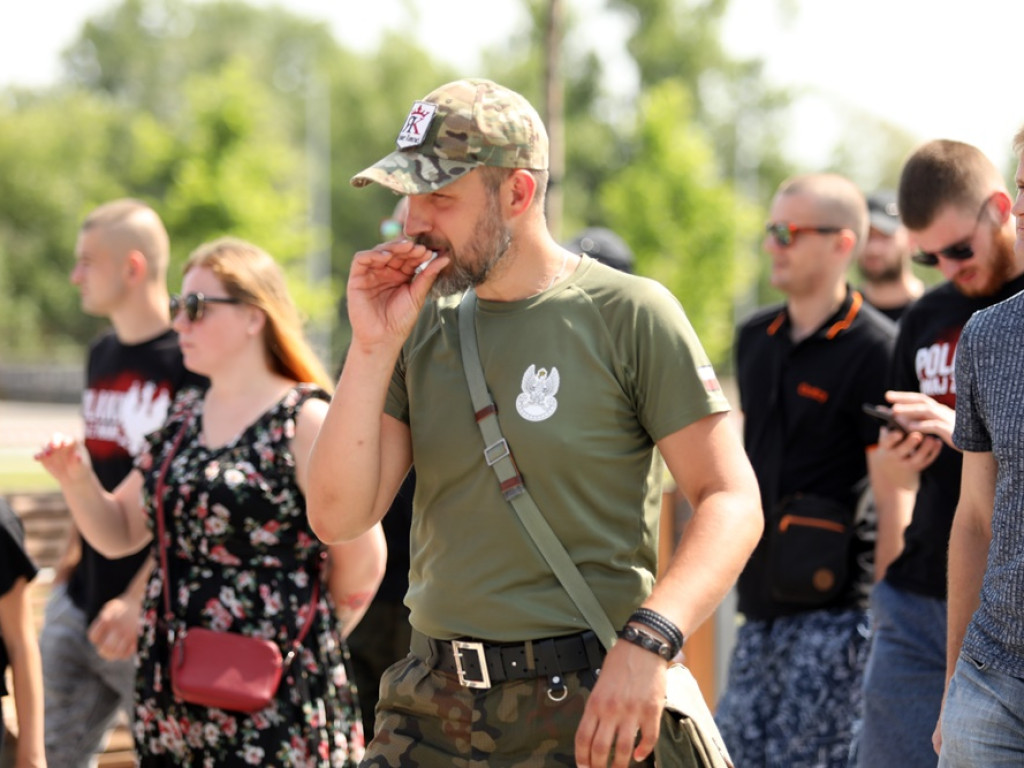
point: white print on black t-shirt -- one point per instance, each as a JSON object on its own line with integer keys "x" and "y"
{"x": 935, "y": 366}
{"x": 537, "y": 402}
{"x": 125, "y": 418}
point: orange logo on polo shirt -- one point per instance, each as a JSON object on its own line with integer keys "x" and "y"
{"x": 812, "y": 392}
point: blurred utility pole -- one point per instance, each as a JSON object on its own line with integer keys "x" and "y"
{"x": 554, "y": 112}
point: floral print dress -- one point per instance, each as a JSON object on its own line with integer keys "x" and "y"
{"x": 242, "y": 558}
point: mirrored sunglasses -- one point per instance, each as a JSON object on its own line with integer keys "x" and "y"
{"x": 194, "y": 304}
{"x": 784, "y": 235}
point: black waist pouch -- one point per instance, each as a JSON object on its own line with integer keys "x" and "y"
{"x": 809, "y": 549}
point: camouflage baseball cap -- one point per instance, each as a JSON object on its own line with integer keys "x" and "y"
{"x": 458, "y": 127}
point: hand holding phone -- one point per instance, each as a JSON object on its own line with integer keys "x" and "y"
{"x": 883, "y": 413}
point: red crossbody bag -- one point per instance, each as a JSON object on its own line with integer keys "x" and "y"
{"x": 225, "y": 670}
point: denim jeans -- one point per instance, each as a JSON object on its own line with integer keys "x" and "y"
{"x": 983, "y": 722}
{"x": 904, "y": 679}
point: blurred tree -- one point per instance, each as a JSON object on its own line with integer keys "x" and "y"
{"x": 54, "y": 154}
{"x": 232, "y": 170}
{"x": 683, "y": 220}
{"x": 141, "y": 52}
{"x": 742, "y": 115}
{"x": 205, "y": 111}
{"x": 225, "y": 117}
{"x": 224, "y": 166}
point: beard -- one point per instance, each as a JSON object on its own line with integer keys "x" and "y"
{"x": 887, "y": 273}
{"x": 1001, "y": 268}
{"x": 472, "y": 265}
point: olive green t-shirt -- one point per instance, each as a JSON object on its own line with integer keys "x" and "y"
{"x": 586, "y": 376}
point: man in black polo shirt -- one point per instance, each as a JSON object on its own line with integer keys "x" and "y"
{"x": 955, "y": 204}
{"x": 804, "y": 371}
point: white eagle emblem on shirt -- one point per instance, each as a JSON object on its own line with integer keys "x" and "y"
{"x": 537, "y": 401}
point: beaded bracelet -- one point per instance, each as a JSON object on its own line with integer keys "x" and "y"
{"x": 657, "y": 622}
{"x": 648, "y": 642}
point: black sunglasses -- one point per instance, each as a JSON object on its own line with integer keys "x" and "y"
{"x": 194, "y": 304}
{"x": 961, "y": 251}
{"x": 784, "y": 235}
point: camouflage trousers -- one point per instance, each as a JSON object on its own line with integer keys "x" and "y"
{"x": 426, "y": 719}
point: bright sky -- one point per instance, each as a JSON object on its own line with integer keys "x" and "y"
{"x": 936, "y": 69}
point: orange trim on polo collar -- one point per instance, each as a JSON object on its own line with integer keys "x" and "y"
{"x": 843, "y": 324}
{"x": 856, "y": 302}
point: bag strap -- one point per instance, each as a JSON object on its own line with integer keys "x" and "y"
{"x": 161, "y": 525}
{"x": 498, "y": 456}
{"x": 162, "y": 544}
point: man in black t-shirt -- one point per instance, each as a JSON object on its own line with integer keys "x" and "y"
{"x": 804, "y": 371}
{"x": 955, "y": 204}
{"x": 92, "y": 618}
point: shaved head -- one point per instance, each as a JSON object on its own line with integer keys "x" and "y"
{"x": 130, "y": 225}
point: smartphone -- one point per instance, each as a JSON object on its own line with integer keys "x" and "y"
{"x": 883, "y": 414}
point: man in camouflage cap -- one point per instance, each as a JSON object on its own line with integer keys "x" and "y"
{"x": 590, "y": 369}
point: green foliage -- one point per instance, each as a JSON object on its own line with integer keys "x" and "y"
{"x": 53, "y": 155}
{"x": 233, "y": 119}
{"x": 141, "y": 51}
{"x": 675, "y": 38}
{"x": 225, "y": 166}
{"x": 216, "y": 149}
{"x": 684, "y": 223}
{"x": 742, "y": 114}
{"x": 233, "y": 170}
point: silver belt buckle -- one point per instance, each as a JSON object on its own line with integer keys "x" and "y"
{"x": 458, "y": 647}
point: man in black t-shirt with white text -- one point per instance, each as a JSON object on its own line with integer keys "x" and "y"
{"x": 955, "y": 204}
{"x": 92, "y": 618}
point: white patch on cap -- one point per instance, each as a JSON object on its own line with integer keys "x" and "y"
{"x": 414, "y": 132}
{"x": 708, "y": 378}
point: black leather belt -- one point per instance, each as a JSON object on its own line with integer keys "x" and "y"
{"x": 481, "y": 665}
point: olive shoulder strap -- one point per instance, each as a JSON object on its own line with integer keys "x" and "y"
{"x": 498, "y": 455}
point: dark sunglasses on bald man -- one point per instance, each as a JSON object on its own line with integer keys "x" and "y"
{"x": 784, "y": 235}
{"x": 961, "y": 251}
{"x": 194, "y": 304}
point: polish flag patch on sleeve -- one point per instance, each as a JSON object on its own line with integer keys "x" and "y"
{"x": 708, "y": 378}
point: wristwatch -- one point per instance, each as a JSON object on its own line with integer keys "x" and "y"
{"x": 646, "y": 641}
